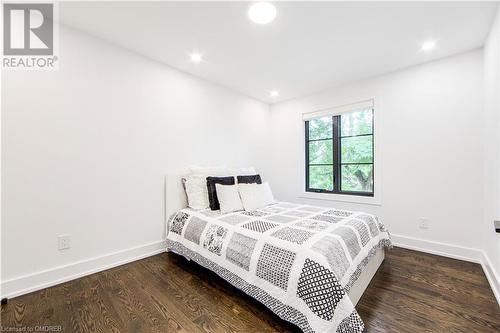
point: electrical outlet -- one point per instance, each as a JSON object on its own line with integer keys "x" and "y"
{"x": 423, "y": 223}
{"x": 63, "y": 242}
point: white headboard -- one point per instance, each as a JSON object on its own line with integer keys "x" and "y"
{"x": 175, "y": 196}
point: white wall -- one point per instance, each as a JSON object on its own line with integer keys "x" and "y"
{"x": 491, "y": 240}
{"x": 85, "y": 150}
{"x": 429, "y": 138}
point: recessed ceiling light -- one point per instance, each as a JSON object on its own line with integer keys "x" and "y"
{"x": 428, "y": 45}
{"x": 274, "y": 93}
{"x": 196, "y": 57}
{"x": 262, "y": 12}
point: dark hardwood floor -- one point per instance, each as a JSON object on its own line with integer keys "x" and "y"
{"x": 412, "y": 292}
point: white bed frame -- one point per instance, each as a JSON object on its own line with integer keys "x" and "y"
{"x": 359, "y": 287}
{"x": 175, "y": 199}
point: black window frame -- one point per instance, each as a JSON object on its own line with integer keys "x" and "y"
{"x": 337, "y": 159}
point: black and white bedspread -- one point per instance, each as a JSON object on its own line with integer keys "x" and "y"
{"x": 298, "y": 260}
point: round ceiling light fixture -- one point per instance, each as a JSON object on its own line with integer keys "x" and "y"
{"x": 262, "y": 12}
{"x": 428, "y": 45}
{"x": 196, "y": 57}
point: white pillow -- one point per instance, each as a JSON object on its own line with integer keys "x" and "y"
{"x": 196, "y": 182}
{"x": 197, "y": 192}
{"x": 229, "y": 198}
{"x": 255, "y": 196}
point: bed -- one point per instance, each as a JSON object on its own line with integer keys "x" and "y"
{"x": 309, "y": 265}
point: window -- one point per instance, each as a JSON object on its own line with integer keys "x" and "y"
{"x": 339, "y": 152}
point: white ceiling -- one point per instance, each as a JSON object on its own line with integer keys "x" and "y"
{"x": 308, "y": 47}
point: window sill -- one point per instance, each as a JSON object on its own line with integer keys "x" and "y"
{"x": 375, "y": 201}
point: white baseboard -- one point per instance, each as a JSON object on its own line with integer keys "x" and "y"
{"x": 491, "y": 275}
{"x": 455, "y": 252}
{"x": 50, "y": 277}
{"x": 437, "y": 248}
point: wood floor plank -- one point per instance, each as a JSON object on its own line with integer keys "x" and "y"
{"x": 194, "y": 288}
{"x": 411, "y": 292}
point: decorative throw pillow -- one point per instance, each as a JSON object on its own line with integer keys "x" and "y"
{"x": 196, "y": 192}
{"x": 249, "y": 179}
{"x": 229, "y": 198}
{"x": 255, "y": 196}
{"x": 212, "y": 192}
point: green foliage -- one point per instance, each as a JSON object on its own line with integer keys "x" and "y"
{"x": 321, "y": 177}
{"x": 321, "y": 152}
{"x": 354, "y": 149}
{"x": 357, "y": 149}
{"x": 356, "y": 123}
{"x": 357, "y": 178}
{"x": 320, "y": 128}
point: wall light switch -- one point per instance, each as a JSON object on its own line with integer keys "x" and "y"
{"x": 63, "y": 242}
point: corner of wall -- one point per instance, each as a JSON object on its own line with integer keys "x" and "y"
{"x": 490, "y": 259}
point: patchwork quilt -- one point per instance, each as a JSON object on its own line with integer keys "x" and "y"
{"x": 298, "y": 260}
